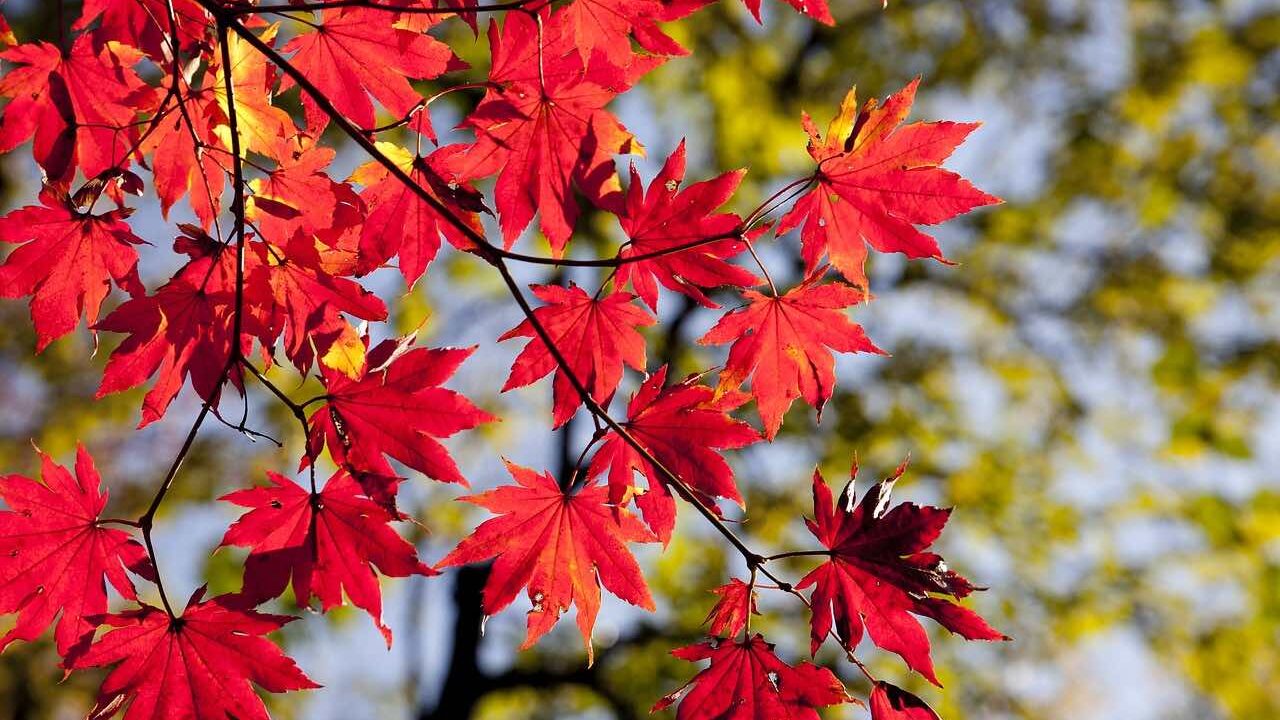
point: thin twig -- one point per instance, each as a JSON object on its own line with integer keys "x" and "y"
{"x": 147, "y": 521}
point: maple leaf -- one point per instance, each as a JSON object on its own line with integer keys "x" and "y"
{"x": 134, "y": 23}
{"x": 298, "y": 196}
{"x": 666, "y": 218}
{"x": 328, "y": 543}
{"x": 543, "y": 129}
{"x": 66, "y": 262}
{"x": 879, "y": 574}
{"x": 607, "y": 27}
{"x": 395, "y": 407}
{"x": 199, "y": 665}
{"x": 181, "y": 160}
{"x": 561, "y": 546}
{"x": 784, "y": 345}
{"x": 79, "y": 106}
{"x": 876, "y": 180}
{"x": 596, "y": 336}
{"x": 890, "y": 702}
{"x": 55, "y": 557}
{"x": 305, "y": 301}
{"x": 747, "y": 681}
{"x": 261, "y": 125}
{"x": 353, "y": 53}
{"x": 400, "y": 223}
{"x": 737, "y": 603}
{"x": 183, "y": 330}
{"x": 682, "y": 426}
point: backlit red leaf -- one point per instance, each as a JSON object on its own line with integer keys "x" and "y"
{"x": 262, "y": 125}
{"x": 736, "y": 604}
{"x": 395, "y": 408}
{"x": 561, "y": 547}
{"x": 354, "y": 52}
{"x": 298, "y": 195}
{"x": 184, "y": 330}
{"x": 682, "y": 426}
{"x": 201, "y": 665}
{"x": 746, "y": 681}
{"x": 187, "y": 157}
{"x": 667, "y": 219}
{"x": 607, "y": 27}
{"x": 544, "y": 131}
{"x": 876, "y": 180}
{"x": 400, "y": 223}
{"x": 329, "y": 544}
{"x": 784, "y": 345}
{"x": 144, "y": 24}
{"x": 55, "y": 557}
{"x": 66, "y": 262}
{"x": 305, "y": 302}
{"x": 880, "y": 575}
{"x": 596, "y": 336}
{"x": 79, "y": 106}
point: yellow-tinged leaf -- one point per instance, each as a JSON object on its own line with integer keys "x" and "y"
{"x": 346, "y": 355}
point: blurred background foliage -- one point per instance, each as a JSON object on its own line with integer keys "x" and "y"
{"x": 1094, "y": 386}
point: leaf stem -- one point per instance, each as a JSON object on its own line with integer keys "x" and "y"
{"x": 773, "y": 289}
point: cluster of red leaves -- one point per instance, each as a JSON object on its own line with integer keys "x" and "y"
{"x": 188, "y": 92}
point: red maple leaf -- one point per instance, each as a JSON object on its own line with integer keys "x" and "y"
{"x": 746, "y": 681}
{"x": 607, "y": 27}
{"x": 561, "y": 546}
{"x": 596, "y": 336}
{"x": 682, "y": 426}
{"x": 543, "y": 128}
{"x": 197, "y": 666}
{"x": 737, "y": 603}
{"x": 180, "y": 166}
{"x": 298, "y": 195}
{"x": 305, "y": 301}
{"x": 784, "y": 345}
{"x": 667, "y": 218}
{"x": 400, "y": 223}
{"x": 353, "y": 53}
{"x": 880, "y": 574}
{"x": 328, "y": 543}
{"x": 55, "y": 557}
{"x": 144, "y": 24}
{"x": 395, "y": 407}
{"x": 184, "y": 330}
{"x": 890, "y": 702}
{"x": 66, "y": 262}
{"x": 876, "y": 180}
{"x": 78, "y": 105}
